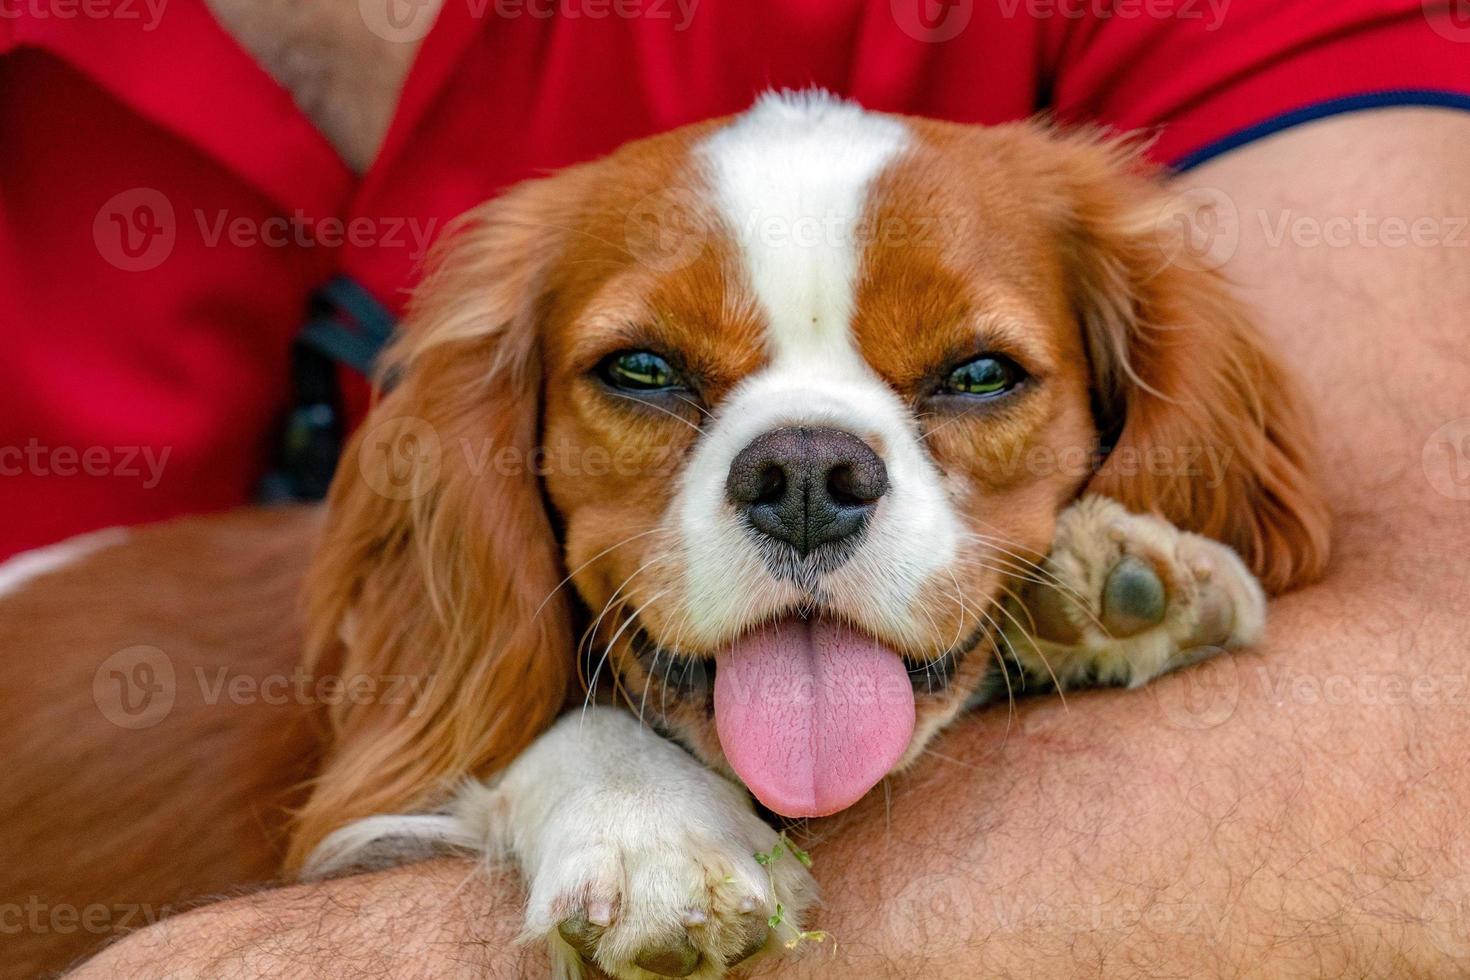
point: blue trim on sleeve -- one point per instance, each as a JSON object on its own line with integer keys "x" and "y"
{"x": 1321, "y": 110}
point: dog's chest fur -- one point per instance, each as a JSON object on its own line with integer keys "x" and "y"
{"x": 345, "y": 77}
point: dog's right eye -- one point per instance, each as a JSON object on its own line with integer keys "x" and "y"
{"x": 638, "y": 370}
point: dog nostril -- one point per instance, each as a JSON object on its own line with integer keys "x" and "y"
{"x": 840, "y": 488}
{"x": 772, "y": 486}
{"x": 857, "y": 484}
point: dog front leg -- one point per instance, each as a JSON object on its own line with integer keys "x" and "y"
{"x": 637, "y": 857}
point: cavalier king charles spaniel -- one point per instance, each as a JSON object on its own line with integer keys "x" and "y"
{"x": 814, "y": 425}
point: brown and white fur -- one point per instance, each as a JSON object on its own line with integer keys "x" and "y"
{"x": 806, "y": 264}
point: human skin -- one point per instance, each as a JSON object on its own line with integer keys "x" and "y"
{"x": 1295, "y": 810}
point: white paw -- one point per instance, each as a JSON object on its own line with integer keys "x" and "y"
{"x": 680, "y": 904}
{"x": 1125, "y": 597}
{"x": 654, "y": 876}
{"x": 639, "y": 858}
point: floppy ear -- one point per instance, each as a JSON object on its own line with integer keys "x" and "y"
{"x": 435, "y": 585}
{"x": 1209, "y": 429}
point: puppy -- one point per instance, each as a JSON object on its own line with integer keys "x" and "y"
{"x": 782, "y": 415}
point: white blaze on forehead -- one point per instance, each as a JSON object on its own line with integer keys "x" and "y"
{"x": 791, "y": 179}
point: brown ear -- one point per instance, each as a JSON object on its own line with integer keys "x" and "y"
{"x": 438, "y": 566}
{"x": 1215, "y": 435}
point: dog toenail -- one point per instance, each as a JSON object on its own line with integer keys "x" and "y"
{"x": 694, "y": 917}
{"x": 600, "y": 913}
{"x": 756, "y": 944}
{"x": 678, "y": 960}
{"x": 580, "y": 934}
{"x": 1133, "y": 598}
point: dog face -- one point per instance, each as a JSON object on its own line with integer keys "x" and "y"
{"x": 835, "y": 398}
{"x": 791, "y": 399}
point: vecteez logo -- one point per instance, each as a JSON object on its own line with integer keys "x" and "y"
{"x": 136, "y": 229}
{"x": 135, "y": 687}
{"x": 400, "y": 21}
{"x": 932, "y": 21}
{"x": 1446, "y": 459}
{"x": 1198, "y": 229}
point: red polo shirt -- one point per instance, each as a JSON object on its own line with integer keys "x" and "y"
{"x": 166, "y": 210}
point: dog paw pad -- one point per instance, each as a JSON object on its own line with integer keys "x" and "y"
{"x": 675, "y": 957}
{"x": 1133, "y": 598}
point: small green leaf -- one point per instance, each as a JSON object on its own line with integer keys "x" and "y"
{"x": 798, "y": 853}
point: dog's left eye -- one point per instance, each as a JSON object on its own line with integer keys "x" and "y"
{"x": 638, "y": 370}
{"x": 988, "y": 375}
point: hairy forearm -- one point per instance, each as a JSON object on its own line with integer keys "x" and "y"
{"x": 441, "y": 919}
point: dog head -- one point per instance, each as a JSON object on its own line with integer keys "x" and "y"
{"x": 768, "y": 408}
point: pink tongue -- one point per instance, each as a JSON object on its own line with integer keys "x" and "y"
{"x": 811, "y": 714}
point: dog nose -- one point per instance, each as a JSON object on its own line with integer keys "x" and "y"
{"x": 807, "y": 486}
